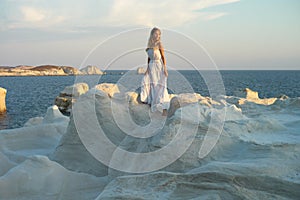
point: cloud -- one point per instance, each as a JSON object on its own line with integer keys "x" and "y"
{"x": 33, "y": 17}
{"x": 67, "y": 14}
{"x": 212, "y": 16}
{"x": 168, "y": 13}
{"x": 32, "y": 14}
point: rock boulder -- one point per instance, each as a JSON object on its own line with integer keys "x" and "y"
{"x": 252, "y": 96}
{"x": 141, "y": 70}
{"x": 68, "y": 96}
{"x": 91, "y": 70}
{"x": 2, "y": 100}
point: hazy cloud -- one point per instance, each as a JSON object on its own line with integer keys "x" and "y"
{"x": 212, "y": 16}
{"x": 68, "y": 14}
{"x": 168, "y": 13}
{"x": 32, "y": 14}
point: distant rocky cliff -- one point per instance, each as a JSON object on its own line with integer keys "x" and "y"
{"x": 91, "y": 70}
{"x": 47, "y": 70}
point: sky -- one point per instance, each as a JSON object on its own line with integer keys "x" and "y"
{"x": 231, "y": 34}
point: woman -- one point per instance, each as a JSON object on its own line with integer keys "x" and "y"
{"x": 154, "y": 84}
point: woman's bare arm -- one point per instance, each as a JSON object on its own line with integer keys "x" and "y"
{"x": 147, "y": 71}
{"x": 162, "y": 52}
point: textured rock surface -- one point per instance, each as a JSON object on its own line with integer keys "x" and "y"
{"x": 91, "y": 70}
{"x": 40, "y": 178}
{"x": 109, "y": 88}
{"x": 141, "y": 70}
{"x": 252, "y": 96}
{"x": 68, "y": 96}
{"x": 43, "y": 70}
{"x": 255, "y": 157}
{"x": 2, "y": 100}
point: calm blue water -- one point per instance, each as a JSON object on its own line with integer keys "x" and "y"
{"x": 29, "y": 97}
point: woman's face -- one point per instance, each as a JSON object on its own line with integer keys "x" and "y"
{"x": 156, "y": 35}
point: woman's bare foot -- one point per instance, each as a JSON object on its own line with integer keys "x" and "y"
{"x": 165, "y": 112}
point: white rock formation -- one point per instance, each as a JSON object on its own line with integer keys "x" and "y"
{"x": 184, "y": 99}
{"x": 17, "y": 145}
{"x": 26, "y": 173}
{"x": 109, "y": 88}
{"x": 215, "y": 183}
{"x": 71, "y": 70}
{"x": 141, "y": 70}
{"x": 252, "y": 96}
{"x": 40, "y": 178}
{"x": 53, "y": 115}
{"x": 91, "y": 70}
{"x": 75, "y": 90}
{"x": 6, "y": 164}
{"x": 71, "y": 153}
{"x": 2, "y": 100}
{"x": 68, "y": 96}
{"x": 245, "y": 163}
{"x": 41, "y": 138}
{"x": 34, "y": 121}
{"x": 43, "y": 70}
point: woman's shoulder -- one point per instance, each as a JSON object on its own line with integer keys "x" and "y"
{"x": 160, "y": 46}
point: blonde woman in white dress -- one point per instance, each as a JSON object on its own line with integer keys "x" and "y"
{"x": 154, "y": 84}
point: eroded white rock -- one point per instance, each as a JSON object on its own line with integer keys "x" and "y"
{"x": 246, "y": 160}
{"x": 69, "y": 95}
{"x": 91, "y": 70}
{"x": 252, "y": 96}
{"x": 75, "y": 90}
{"x": 109, "y": 88}
{"x": 2, "y": 100}
{"x": 40, "y": 178}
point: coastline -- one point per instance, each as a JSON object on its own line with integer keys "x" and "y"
{"x": 48, "y": 70}
{"x": 246, "y": 163}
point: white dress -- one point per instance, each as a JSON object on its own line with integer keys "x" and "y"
{"x": 154, "y": 84}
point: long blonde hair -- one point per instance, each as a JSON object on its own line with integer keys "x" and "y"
{"x": 152, "y": 43}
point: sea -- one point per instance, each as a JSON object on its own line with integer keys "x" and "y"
{"x": 29, "y": 97}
